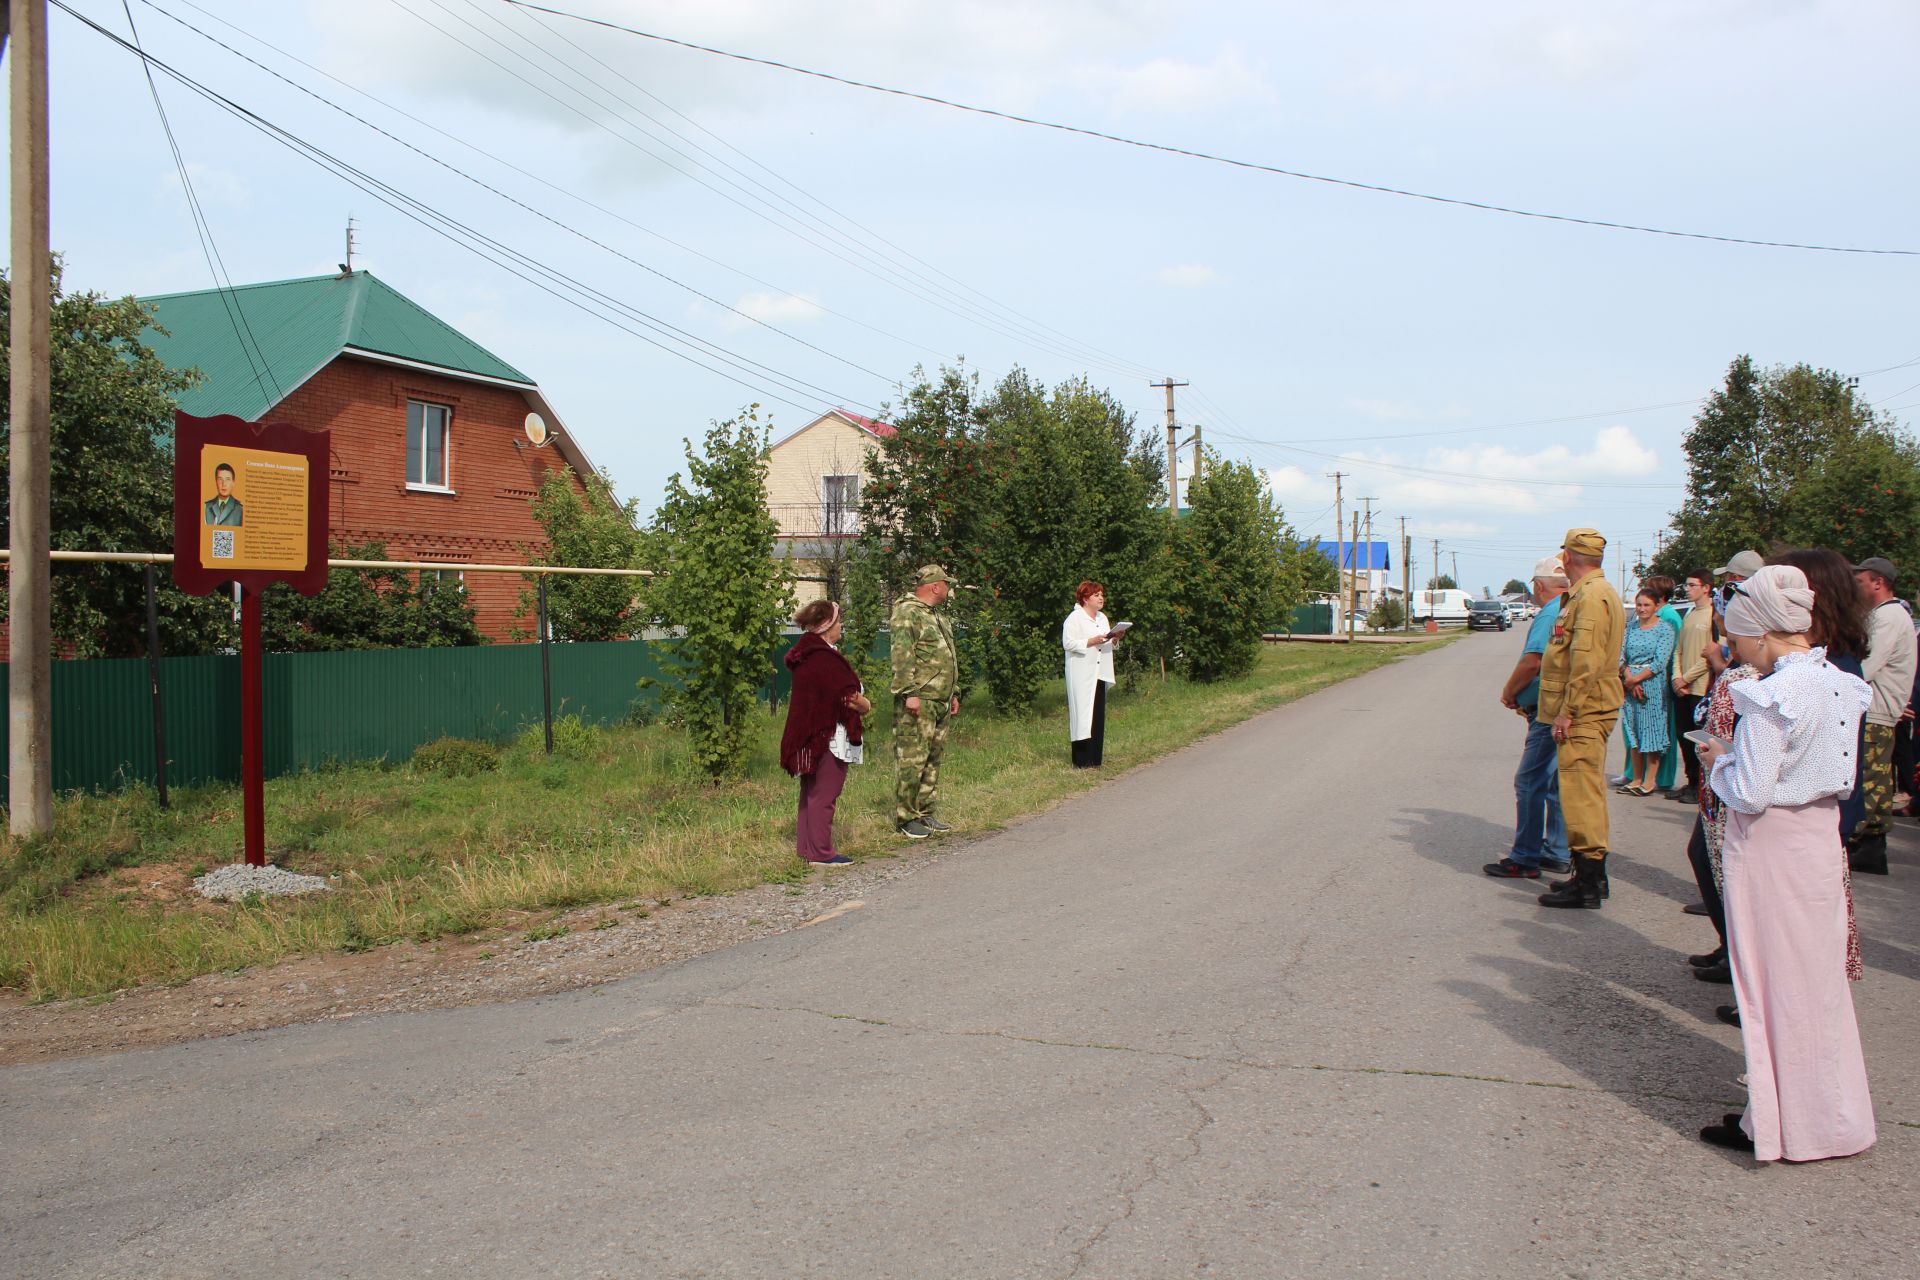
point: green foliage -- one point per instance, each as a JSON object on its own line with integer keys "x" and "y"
{"x": 111, "y": 479}
{"x": 1233, "y": 583}
{"x": 368, "y": 609}
{"x": 722, "y": 587}
{"x": 456, "y": 757}
{"x": 585, "y": 531}
{"x": 1311, "y": 566}
{"x": 572, "y": 737}
{"x": 1515, "y": 587}
{"x": 1387, "y": 614}
{"x": 1789, "y": 456}
{"x": 1442, "y": 582}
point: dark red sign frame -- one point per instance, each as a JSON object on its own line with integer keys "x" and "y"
{"x": 190, "y": 436}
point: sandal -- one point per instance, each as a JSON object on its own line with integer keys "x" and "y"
{"x": 1639, "y": 791}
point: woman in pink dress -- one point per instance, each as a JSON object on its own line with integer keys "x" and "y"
{"x": 1786, "y": 900}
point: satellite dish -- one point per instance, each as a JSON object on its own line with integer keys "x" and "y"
{"x": 536, "y": 429}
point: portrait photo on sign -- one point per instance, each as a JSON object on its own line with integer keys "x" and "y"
{"x": 223, "y": 507}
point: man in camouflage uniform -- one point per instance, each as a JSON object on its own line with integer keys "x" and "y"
{"x": 1580, "y": 696}
{"x": 926, "y": 683}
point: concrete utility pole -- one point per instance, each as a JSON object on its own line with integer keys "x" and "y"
{"x": 30, "y": 636}
{"x": 1196, "y": 456}
{"x": 1456, "y": 570}
{"x": 1354, "y": 604}
{"x": 1173, "y": 452}
{"x": 1367, "y": 542}
{"x": 1339, "y": 541}
{"x": 1406, "y": 578}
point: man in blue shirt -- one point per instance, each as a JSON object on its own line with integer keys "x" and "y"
{"x": 1539, "y": 835}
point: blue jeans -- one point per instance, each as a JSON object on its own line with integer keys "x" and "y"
{"x": 1538, "y": 830}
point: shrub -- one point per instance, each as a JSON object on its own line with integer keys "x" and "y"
{"x": 456, "y": 757}
{"x": 572, "y": 737}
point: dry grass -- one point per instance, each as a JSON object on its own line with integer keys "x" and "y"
{"x": 98, "y": 906}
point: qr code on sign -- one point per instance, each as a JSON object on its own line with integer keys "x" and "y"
{"x": 222, "y": 544}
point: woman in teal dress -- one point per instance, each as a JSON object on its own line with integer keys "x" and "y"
{"x": 1662, "y": 587}
{"x": 1644, "y": 660}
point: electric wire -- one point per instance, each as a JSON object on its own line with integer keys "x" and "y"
{"x": 521, "y": 204}
{"x": 1480, "y": 205}
{"x": 771, "y": 214}
{"x": 209, "y": 249}
{"x": 557, "y": 284}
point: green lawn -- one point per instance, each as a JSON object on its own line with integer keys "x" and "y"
{"x": 417, "y": 855}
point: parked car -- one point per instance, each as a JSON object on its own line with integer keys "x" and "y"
{"x": 1487, "y": 615}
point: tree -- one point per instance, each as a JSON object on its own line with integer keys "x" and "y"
{"x": 585, "y": 531}
{"x": 1442, "y": 582}
{"x": 721, "y": 587}
{"x": 1789, "y": 455}
{"x": 367, "y": 609}
{"x": 1232, "y": 584}
{"x": 1315, "y": 570}
{"x": 1387, "y": 614}
{"x": 111, "y": 479}
{"x": 1514, "y": 587}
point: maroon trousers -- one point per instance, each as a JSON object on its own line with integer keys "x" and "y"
{"x": 819, "y": 793}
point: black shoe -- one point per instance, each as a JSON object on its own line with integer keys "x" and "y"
{"x": 1868, "y": 855}
{"x": 1555, "y": 866}
{"x": 1727, "y": 1134}
{"x": 1606, "y": 887}
{"x": 1716, "y": 956}
{"x": 934, "y": 825}
{"x": 1508, "y": 869}
{"x": 1685, "y": 795}
{"x": 1720, "y": 973}
{"x": 1729, "y": 1014}
{"x": 1696, "y": 909}
{"x": 837, "y": 860}
{"x": 914, "y": 830}
{"x": 1584, "y": 890}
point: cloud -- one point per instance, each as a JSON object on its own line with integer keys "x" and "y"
{"x": 1193, "y": 275}
{"x": 1494, "y": 478}
{"x": 773, "y": 308}
{"x": 1164, "y": 86}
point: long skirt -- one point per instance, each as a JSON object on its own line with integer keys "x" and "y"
{"x": 1087, "y": 751}
{"x": 819, "y": 795}
{"x": 1786, "y": 906}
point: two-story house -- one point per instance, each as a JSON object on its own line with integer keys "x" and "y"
{"x": 438, "y": 445}
{"x": 814, "y": 476}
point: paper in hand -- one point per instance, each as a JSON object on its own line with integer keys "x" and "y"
{"x": 1120, "y": 628}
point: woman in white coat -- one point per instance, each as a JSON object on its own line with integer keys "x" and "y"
{"x": 1088, "y": 639}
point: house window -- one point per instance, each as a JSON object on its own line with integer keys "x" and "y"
{"x": 432, "y": 580}
{"x": 427, "y": 445}
{"x": 839, "y": 498}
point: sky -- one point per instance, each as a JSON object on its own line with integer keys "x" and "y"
{"x": 802, "y": 245}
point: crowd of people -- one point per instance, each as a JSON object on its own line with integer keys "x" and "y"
{"x": 1787, "y": 693}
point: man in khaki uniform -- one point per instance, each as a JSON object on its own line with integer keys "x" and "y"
{"x": 1580, "y": 696}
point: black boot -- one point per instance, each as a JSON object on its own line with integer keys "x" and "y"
{"x": 1584, "y": 890}
{"x": 1606, "y": 887}
{"x": 1868, "y": 854}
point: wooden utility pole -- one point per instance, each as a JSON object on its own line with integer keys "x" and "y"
{"x": 1195, "y": 479}
{"x": 1353, "y": 603}
{"x": 30, "y": 634}
{"x": 1173, "y": 452}
{"x": 1367, "y": 542}
{"x": 1456, "y": 571}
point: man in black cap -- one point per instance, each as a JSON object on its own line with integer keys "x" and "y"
{"x": 1889, "y": 668}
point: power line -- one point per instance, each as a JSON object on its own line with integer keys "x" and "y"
{"x": 1455, "y": 475}
{"x": 1483, "y": 206}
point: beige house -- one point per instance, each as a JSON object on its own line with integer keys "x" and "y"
{"x": 814, "y": 477}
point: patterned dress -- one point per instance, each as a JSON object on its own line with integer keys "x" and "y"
{"x": 1646, "y": 722}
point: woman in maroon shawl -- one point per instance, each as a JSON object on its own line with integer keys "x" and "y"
{"x": 823, "y": 728}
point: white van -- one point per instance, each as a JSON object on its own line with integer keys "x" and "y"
{"x": 1443, "y": 606}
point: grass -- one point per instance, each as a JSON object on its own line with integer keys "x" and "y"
{"x": 101, "y": 904}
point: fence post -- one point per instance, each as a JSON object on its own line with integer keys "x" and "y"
{"x": 546, "y": 669}
{"x": 159, "y": 699}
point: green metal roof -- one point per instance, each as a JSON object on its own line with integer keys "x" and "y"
{"x": 295, "y": 327}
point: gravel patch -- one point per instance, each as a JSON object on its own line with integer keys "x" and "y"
{"x": 238, "y": 880}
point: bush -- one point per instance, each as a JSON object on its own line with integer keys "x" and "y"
{"x": 1387, "y": 614}
{"x": 572, "y": 737}
{"x": 456, "y": 757}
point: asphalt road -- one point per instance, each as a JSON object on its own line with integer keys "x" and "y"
{"x": 1249, "y": 1012}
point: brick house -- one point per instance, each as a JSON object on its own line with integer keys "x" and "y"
{"x": 814, "y": 477}
{"x": 430, "y": 452}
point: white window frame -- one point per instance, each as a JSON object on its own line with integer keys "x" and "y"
{"x": 849, "y": 509}
{"x": 445, "y": 483}
{"x": 434, "y": 579}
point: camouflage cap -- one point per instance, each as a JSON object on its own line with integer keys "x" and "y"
{"x": 931, "y": 573}
{"x": 1585, "y": 542}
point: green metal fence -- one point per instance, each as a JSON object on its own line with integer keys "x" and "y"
{"x": 321, "y": 708}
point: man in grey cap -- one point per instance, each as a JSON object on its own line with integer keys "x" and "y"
{"x": 1889, "y": 668}
{"x": 1539, "y": 833}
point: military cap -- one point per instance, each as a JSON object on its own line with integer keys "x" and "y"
{"x": 931, "y": 573}
{"x": 1585, "y": 542}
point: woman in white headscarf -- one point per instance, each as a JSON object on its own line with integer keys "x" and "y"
{"x": 1785, "y": 877}
{"x": 1088, "y": 639}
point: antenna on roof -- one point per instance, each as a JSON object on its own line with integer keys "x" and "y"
{"x": 346, "y": 268}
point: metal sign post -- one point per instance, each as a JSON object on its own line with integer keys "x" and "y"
{"x": 250, "y": 508}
